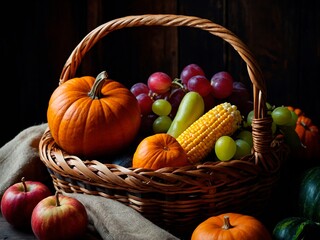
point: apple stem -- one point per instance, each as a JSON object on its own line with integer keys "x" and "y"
{"x": 24, "y": 184}
{"x": 57, "y": 198}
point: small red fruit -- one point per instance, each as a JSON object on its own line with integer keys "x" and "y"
{"x": 222, "y": 85}
{"x": 190, "y": 71}
{"x": 145, "y": 103}
{"x": 59, "y": 217}
{"x": 19, "y": 201}
{"x": 159, "y": 82}
{"x": 199, "y": 84}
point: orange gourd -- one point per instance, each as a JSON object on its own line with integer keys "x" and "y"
{"x": 93, "y": 117}
{"x": 309, "y": 136}
{"x": 231, "y": 226}
{"x": 158, "y": 151}
{"x": 297, "y": 111}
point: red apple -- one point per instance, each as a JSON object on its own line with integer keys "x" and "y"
{"x": 19, "y": 200}
{"x": 59, "y": 217}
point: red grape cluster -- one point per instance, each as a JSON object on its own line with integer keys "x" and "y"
{"x": 160, "y": 97}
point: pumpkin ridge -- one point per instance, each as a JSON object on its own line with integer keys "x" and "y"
{"x": 66, "y": 129}
{"x": 93, "y": 109}
{"x": 129, "y": 118}
{"x": 58, "y": 119}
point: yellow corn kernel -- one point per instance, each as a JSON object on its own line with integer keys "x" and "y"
{"x": 200, "y": 137}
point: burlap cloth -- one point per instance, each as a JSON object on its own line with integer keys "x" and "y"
{"x": 111, "y": 219}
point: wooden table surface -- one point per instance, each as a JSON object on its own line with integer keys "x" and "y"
{"x": 7, "y": 232}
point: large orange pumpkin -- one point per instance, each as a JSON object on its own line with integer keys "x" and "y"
{"x": 93, "y": 117}
{"x": 231, "y": 226}
{"x": 158, "y": 151}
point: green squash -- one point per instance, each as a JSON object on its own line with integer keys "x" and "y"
{"x": 309, "y": 194}
{"x": 296, "y": 228}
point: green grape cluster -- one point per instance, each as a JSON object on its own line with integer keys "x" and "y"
{"x": 241, "y": 143}
{"x": 234, "y": 147}
{"x": 162, "y": 108}
{"x": 284, "y": 123}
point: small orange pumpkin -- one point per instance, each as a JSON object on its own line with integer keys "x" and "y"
{"x": 158, "y": 151}
{"x": 231, "y": 226}
{"x": 309, "y": 136}
{"x": 297, "y": 111}
{"x": 93, "y": 117}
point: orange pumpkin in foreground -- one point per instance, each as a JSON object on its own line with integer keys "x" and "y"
{"x": 231, "y": 226}
{"x": 158, "y": 151}
{"x": 93, "y": 117}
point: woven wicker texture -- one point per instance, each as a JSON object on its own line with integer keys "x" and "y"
{"x": 175, "y": 198}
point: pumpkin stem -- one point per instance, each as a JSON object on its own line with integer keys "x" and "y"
{"x": 95, "y": 92}
{"x": 303, "y": 124}
{"x": 226, "y": 223}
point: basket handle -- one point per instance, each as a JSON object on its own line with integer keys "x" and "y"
{"x": 254, "y": 72}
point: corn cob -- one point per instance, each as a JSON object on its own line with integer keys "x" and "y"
{"x": 200, "y": 137}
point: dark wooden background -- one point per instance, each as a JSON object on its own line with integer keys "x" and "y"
{"x": 38, "y": 37}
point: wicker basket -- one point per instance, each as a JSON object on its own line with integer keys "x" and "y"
{"x": 176, "y": 199}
